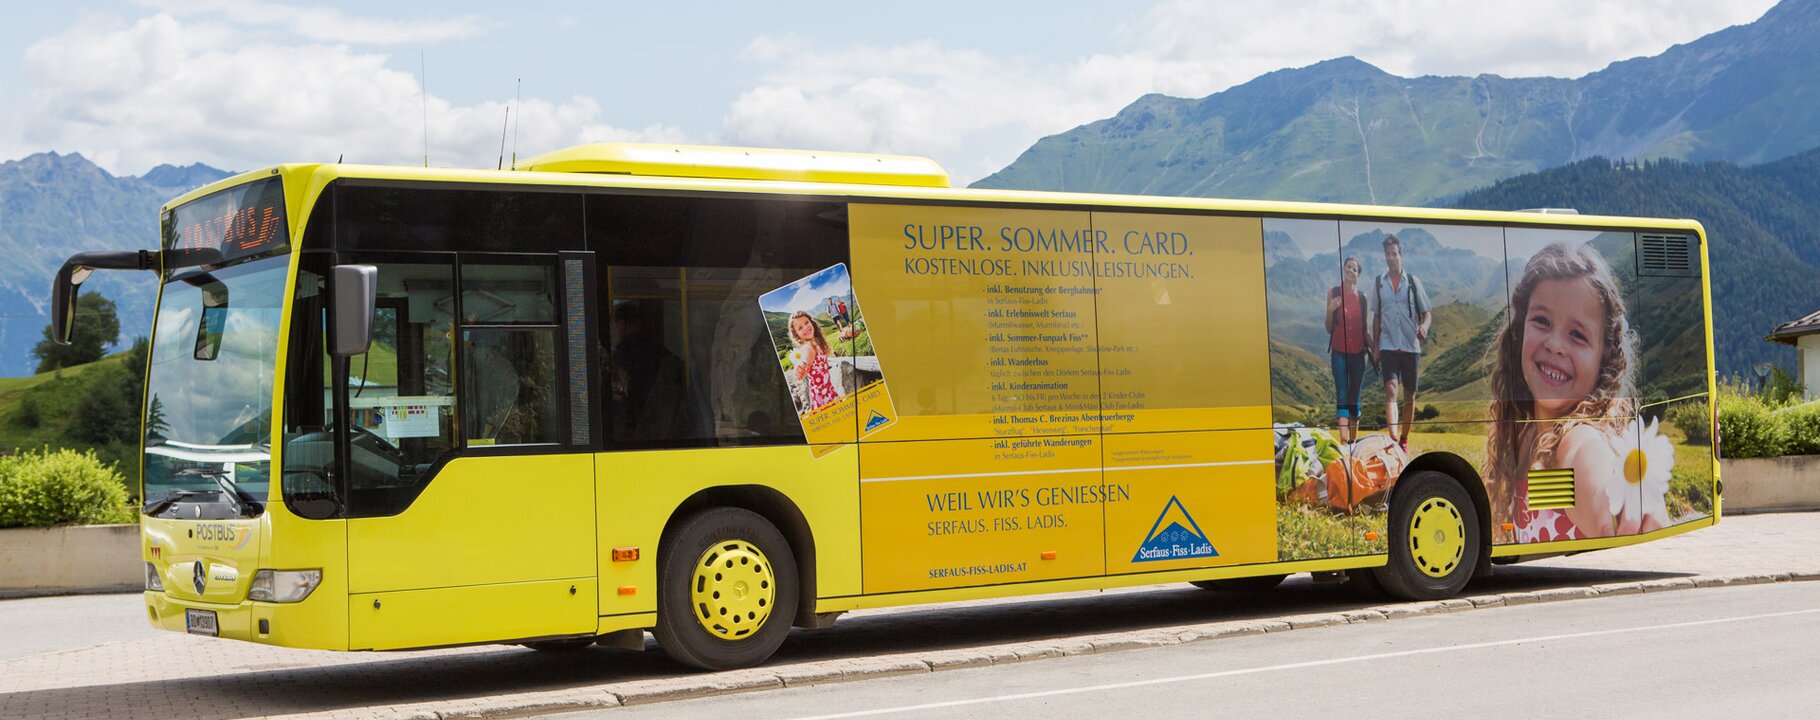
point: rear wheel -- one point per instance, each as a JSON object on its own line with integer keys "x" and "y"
{"x": 726, "y": 590}
{"x": 1434, "y": 539}
{"x": 1253, "y": 584}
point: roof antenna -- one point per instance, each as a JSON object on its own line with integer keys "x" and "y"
{"x": 515, "y": 101}
{"x": 423, "y": 92}
{"x": 339, "y": 158}
{"x": 503, "y": 124}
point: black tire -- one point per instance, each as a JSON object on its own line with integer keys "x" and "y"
{"x": 1253, "y": 584}
{"x": 1403, "y": 577}
{"x": 685, "y": 638}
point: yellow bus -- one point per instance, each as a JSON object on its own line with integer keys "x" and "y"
{"x": 715, "y": 393}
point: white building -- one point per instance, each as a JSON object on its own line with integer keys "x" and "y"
{"x": 1804, "y": 334}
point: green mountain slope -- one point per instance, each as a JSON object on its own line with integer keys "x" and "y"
{"x": 1763, "y": 224}
{"x": 1343, "y": 130}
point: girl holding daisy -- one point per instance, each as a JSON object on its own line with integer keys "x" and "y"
{"x": 1567, "y": 354}
{"x": 811, "y": 361}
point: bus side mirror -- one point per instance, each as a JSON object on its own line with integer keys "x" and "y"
{"x": 356, "y": 293}
{"x": 77, "y": 269}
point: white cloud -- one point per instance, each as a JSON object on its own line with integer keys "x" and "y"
{"x": 326, "y": 24}
{"x": 976, "y": 111}
{"x": 167, "y": 90}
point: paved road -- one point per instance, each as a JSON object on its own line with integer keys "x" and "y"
{"x": 1740, "y": 652}
{"x": 131, "y": 674}
{"x": 32, "y": 626}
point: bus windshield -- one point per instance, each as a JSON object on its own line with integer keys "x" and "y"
{"x": 208, "y": 407}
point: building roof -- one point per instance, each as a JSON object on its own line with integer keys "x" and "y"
{"x": 1787, "y": 332}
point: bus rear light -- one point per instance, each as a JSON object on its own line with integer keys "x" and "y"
{"x": 153, "y": 581}
{"x": 285, "y": 586}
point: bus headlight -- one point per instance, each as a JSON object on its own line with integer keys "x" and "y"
{"x": 153, "y": 581}
{"x": 285, "y": 586}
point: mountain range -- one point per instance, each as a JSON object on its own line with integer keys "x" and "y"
{"x": 53, "y": 205}
{"x": 1345, "y": 131}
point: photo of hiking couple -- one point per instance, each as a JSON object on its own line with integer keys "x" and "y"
{"x": 1515, "y": 349}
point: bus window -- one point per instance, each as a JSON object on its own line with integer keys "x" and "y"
{"x": 691, "y": 362}
{"x": 395, "y": 219}
{"x": 509, "y": 354}
{"x": 401, "y": 393}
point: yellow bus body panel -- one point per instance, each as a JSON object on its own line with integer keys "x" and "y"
{"x": 495, "y": 548}
{"x": 639, "y": 491}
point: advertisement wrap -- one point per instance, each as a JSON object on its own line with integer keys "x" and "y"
{"x": 1067, "y": 384}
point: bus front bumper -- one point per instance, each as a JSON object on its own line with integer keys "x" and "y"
{"x": 298, "y": 625}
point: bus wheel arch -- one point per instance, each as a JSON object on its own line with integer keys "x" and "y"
{"x": 1468, "y": 477}
{"x": 783, "y": 514}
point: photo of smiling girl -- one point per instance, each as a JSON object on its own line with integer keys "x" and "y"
{"x": 1568, "y": 355}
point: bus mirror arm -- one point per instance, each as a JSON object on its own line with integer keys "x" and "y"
{"x": 356, "y": 294}
{"x": 76, "y": 270}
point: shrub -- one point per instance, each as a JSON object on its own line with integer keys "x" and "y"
{"x": 60, "y": 487}
{"x": 1693, "y": 421}
{"x": 1802, "y": 425}
{"x": 1749, "y": 428}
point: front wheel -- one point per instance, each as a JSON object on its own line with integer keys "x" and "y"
{"x": 1434, "y": 539}
{"x": 726, "y": 590}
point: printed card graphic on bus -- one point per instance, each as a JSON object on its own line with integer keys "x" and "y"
{"x": 826, "y": 356}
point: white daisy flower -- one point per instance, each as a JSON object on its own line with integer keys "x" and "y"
{"x": 1647, "y": 457}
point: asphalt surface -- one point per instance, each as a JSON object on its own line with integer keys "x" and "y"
{"x": 93, "y": 655}
{"x": 1742, "y": 651}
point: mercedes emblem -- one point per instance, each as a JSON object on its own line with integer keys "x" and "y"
{"x": 201, "y": 576}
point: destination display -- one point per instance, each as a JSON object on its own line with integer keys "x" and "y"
{"x": 1069, "y": 370}
{"x": 238, "y": 222}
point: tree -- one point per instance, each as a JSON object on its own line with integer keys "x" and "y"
{"x": 97, "y": 326}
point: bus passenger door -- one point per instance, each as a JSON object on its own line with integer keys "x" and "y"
{"x": 470, "y": 494}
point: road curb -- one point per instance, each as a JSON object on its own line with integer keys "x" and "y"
{"x": 820, "y": 672}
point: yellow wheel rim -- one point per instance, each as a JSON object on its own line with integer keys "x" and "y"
{"x": 1437, "y": 537}
{"x": 733, "y": 589}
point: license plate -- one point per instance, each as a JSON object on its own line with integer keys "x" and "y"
{"x": 200, "y": 622}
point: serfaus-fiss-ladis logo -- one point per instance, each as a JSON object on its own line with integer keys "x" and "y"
{"x": 877, "y": 419}
{"x": 1174, "y": 536}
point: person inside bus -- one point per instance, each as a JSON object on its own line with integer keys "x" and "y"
{"x": 1398, "y": 329}
{"x": 649, "y": 397}
{"x": 1346, "y": 345}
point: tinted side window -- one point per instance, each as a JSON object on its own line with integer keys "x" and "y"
{"x": 690, "y": 361}
{"x": 397, "y": 218}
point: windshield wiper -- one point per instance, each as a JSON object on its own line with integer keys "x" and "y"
{"x": 244, "y": 504}
{"x": 164, "y": 503}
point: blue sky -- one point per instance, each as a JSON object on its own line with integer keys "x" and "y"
{"x": 134, "y": 83}
{"x": 809, "y": 294}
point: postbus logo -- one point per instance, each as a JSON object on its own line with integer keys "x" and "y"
{"x": 1174, "y": 536}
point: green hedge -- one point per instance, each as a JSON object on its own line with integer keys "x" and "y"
{"x": 46, "y": 487}
{"x": 1753, "y": 424}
